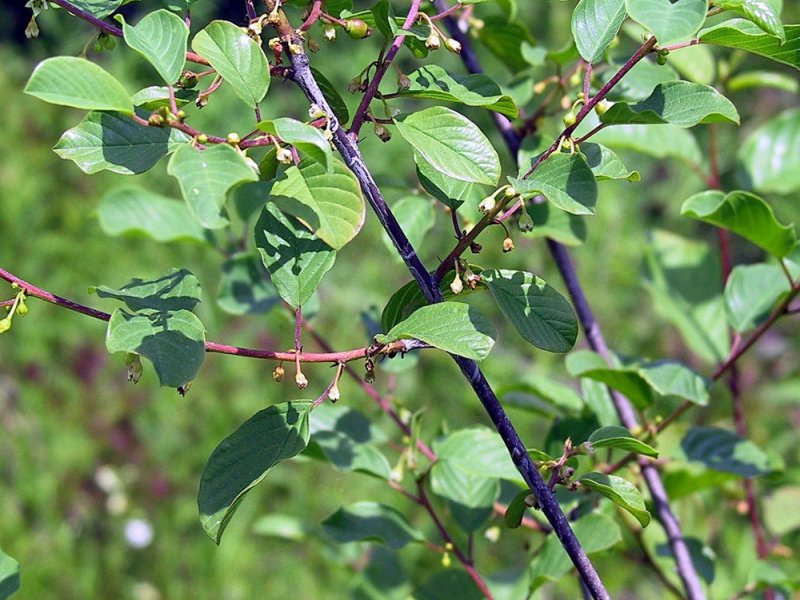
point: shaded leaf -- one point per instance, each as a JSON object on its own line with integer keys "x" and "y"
{"x": 504, "y": 39}
{"x": 155, "y": 96}
{"x": 551, "y": 222}
{"x": 77, "y": 82}
{"x": 160, "y": 37}
{"x": 763, "y": 79}
{"x": 450, "y": 192}
{"x": 454, "y": 327}
{"x": 98, "y": 8}
{"x": 477, "y": 451}
{"x": 245, "y": 288}
{"x": 745, "y": 35}
{"x": 542, "y": 395}
{"x": 245, "y": 457}
{"x": 541, "y": 315}
{"x": 660, "y": 142}
{"x": 751, "y": 293}
{"x": 178, "y": 289}
{"x": 594, "y": 25}
{"x": 112, "y": 141}
{"x": 723, "y": 450}
{"x": 620, "y": 491}
{"x": 373, "y": 522}
{"x": 605, "y": 164}
{"x": 447, "y": 584}
{"x": 565, "y": 180}
{"x": 9, "y": 575}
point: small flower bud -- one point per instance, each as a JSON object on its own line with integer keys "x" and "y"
{"x": 433, "y": 42}
{"x": 202, "y": 138}
{"x": 452, "y": 45}
{"x": 508, "y": 244}
{"x": 333, "y": 393}
{"x": 301, "y": 380}
{"x": 233, "y": 138}
{"x": 487, "y": 204}
{"x": 662, "y": 56}
{"x": 530, "y": 500}
{"x": 134, "y": 364}
{"x": 188, "y": 80}
{"x": 403, "y": 82}
{"x": 5, "y": 324}
{"x": 295, "y": 48}
{"x": 32, "y": 31}
{"x": 357, "y": 29}
{"x": 525, "y": 222}
{"x": 155, "y": 120}
{"x": 539, "y": 87}
{"x": 457, "y": 286}
{"x": 570, "y": 119}
{"x": 278, "y": 373}
{"x": 354, "y": 85}
{"x": 383, "y": 133}
{"x": 313, "y": 45}
{"x": 329, "y": 32}
{"x": 446, "y": 560}
{"x": 315, "y": 112}
{"x": 284, "y": 155}
{"x": 22, "y": 308}
{"x": 602, "y": 107}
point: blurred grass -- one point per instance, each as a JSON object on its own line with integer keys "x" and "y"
{"x": 68, "y": 415}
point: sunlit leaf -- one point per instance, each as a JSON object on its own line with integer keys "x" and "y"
{"x": 160, "y": 37}
{"x": 745, "y": 35}
{"x": 594, "y": 25}
{"x": 620, "y": 491}
{"x": 669, "y": 22}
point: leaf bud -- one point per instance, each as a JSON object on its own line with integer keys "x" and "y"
{"x": 487, "y": 204}
{"x": 457, "y": 286}
{"x": 301, "y": 380}
{"x": 446, "y": 560}
{"x": 508, "y": 244}
{"x": 570, "y": 119}
{"x": 357, "y": 29}
{"x": 284, "y": 155}
{"x": 278, "y": 373}
{"x": 452, "y": 45}
{"x": 329, "y": 32}
{"x": 5, "y": 324}
{"x": 134, "y": 364}
{"x": 525, "y": 222}
{"x": 433, "y": 42}
{"x": 187, "y": 80}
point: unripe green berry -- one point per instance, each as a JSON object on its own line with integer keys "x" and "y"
{"x": 525, "y": 221}
{"x": 187, "y": 80}
{"x": 602, "y": 107}
{"x": 570, "y": 119}
{"x": 357, "y": 29}
{"x": 22, "y": 308}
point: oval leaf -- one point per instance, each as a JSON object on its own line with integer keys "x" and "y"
{"x": 621, "y": 492}
{"x": 451, "y": 144}
{"x": 759, "y": 12}
{"x": 746, "y": 215}
{"x": 76, "y": 82}
{"x": 723, "y": 450}
{"x": 236, "y": 57}
{"x": 371, "y": 521}
{"x": 307, "y": 139}
{"x": 615, "y": 436}
{"x": 768, "y": 159}
{"x": 294, "y": 257}
{"x": 669, "y": 22}
{"x": 454, "y": 327}
{"x": 541, "y": 315}
{"x": 751, "y": 293}
{"x": 330, "y": 204}
{"x": 594, "y": 25}
{"x": 743, "y": 34}
{"x": 160, "y": 37}
{"x": 243, "y": 459}
{"x": 112, "y": 141}
{"x": 206, "y": 176}
{"x": 565, "y": 180}
{"x": 450, "y": 192}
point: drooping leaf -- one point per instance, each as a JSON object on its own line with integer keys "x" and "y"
{"x": 751, "y": 293}
{"x": 605, "y": 164}
{"x": 9, "y": 575}
{"x": 434, "y": 83}
{"x": 178, "y": 289}
{"x": 746, "y": 215}
{"x": 565, "y": 180}
{"x": 451, "y": 144}
{"x": 454, "y": 327}
{"x": 160, "y": 37}
{"x": 416, "y": 216}
{"x": 515, "y": 510}
{"x": 723, "y": 450}
{"x": 173, "y": 341}
{"x": 236, "y": 57}
{"x": 671, "y": 378}
{"x": 620, "y": 491}
{"x": 112, "y": 141}
{"x": 745, "y": 35}
{"x": 759, "y": 12}
{"x": 245, "y": 457}
{"x": 594, "y": 25}
{"x": 134, "y": 210}
{"x": 307, "y": 139}
{"x": 614, "y": 436}
{"x": 680, "y": 103}
{"x": 768, "y": 159}
{"x": 206, "y": 176}
{"x": 79, "y": 83}
{"x": 330, "y": 204}
{"x": 541, "y": 315}
{"x": 669, "y": 22}
{"x": 245, "y": 288}
{"x": 450, "y": 192}
{"x": 294, "y": 257}
{"x": 371, "y": 521}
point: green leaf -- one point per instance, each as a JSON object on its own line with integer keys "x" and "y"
{"x": 134, "y": 210}
{"x": 615, "y": 436}
{"x": 763, "y": 79}
{"x": 206, "y": 176}
{"x": 282, "y": 526}
{"x": 679, "y": 103}
{"x": 504, "y": 39}
{"x": 621, "y": 492}
{"x": 746, "y": 215}
{"x": 467, "y": 490}
{"x": 515, "y": 510}
{"x": 638, "y": 83}
{"x": 373, "y": 522}
{"x": 307, "y": 139}
{"x": 434, "y": 83}
{"x": 112, "y": 141}
{"x": 751, "y": 293}
{"x": 671, "y": 378}
{"x": 447, "y": 584}
{"x": 695, "y": 63}
{"x": 759, "y": 12}
{"x": 779, "y": 509}
{"x": 742, "y": 34}
{"x": 294, "y": 257}
{"x": 668, "y": 22}
{"x": 551, "y": 222}
{"x": 477, "y": 451}
{"x": 76, "y": 82}
{"x": 454, "y": 327}
{"x": 9, "y": 575}
{"x": 335, "y": 100}
{"x": 605, "y": 164}
{"x": 541, "y": 315}
{"x": 451, "y": 144}
{"x": 178, "y": 289}
{"x": 768, "y": 159}
{"x": 665, "y": 141}
{"x": 155, "y": 96}
{"x": 416, "y": 216}
{"x": 173, "y": 341}
{"x": 98, "y": 8}
{"x": 723, "y": 450}
{"x": 542, "y": 395}
{"x": 345, "y": 438}
{"x": 594, "y": 25}
{"x": 160, "y": 37}
{"x": 565, "y": 180}
{"x": 245, "y": 288}
{"x": 329, "y": 204}
{"x": 236, "y": 57}
{"x": 450, "y": 192}
{"x": 245, "y": 457}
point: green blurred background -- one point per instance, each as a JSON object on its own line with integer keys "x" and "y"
{"x": 86, "y": 457}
